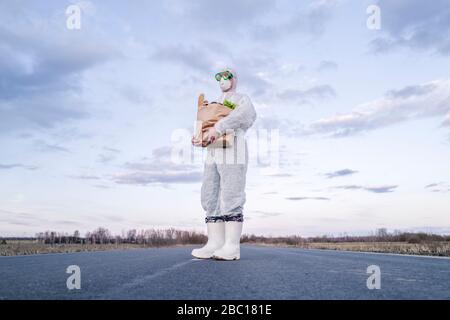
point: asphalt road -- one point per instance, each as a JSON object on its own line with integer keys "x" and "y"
{"x": 262, "y": 273}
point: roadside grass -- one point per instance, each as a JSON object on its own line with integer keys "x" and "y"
{"x": 30, "y": 247}
{"x": 441, "y": 249}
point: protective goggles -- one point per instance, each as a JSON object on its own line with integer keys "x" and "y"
{"x": 226, "y": 75}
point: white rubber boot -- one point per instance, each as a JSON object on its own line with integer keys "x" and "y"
{"x": 216, "y": 239}
{"x": 231, "y": 250}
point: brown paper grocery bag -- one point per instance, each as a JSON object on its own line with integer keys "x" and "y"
{"x": 207, "y": 116}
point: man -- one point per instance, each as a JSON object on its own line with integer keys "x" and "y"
{"x": 223, "y": 187}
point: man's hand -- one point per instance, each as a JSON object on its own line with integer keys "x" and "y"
{"x": 195, "y": 142}
{"x": 211, "y": 134}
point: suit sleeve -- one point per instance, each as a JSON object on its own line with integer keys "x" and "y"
{"x": 242, "y": 117}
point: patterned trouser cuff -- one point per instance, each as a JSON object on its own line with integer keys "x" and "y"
{"x": 226, "y": 218}
{"x": 210, "y": 219}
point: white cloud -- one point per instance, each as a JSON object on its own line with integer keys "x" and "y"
{"x": 41, "y": 67}
{"x": 446, "y": 122}
{"x": 421, "y": 101}
{"x": 159, "y": 169}
{"x": 415, "y": 24}
{"x": 374, "y": 189}
{"x": 327, "y": 65}
{"x": 311, "y": 20}
{"x": 308, "y": 96}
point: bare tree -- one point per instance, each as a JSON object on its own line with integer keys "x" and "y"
{"x": 382, "y": 233}
{"x": 131, "y": 236}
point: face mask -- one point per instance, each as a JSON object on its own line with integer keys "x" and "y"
{"x": 224, "y": 79}
{"x": 225, "y": 85}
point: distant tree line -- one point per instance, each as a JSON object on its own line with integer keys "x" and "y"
{"x": 380, "y": 235}
{"x": 152, "y": 237}
{"x": 163, "y": 237}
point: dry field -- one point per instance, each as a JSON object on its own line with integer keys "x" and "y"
{"x": 434, "y": 248}
{"x": 27, "y": 247}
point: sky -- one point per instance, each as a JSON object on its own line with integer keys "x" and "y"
{"x": 352, "y": 133}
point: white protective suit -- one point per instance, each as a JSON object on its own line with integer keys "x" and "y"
{"x": 223, "y": 188}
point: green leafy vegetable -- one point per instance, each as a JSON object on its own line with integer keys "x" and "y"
{"x": 229, "y": 104}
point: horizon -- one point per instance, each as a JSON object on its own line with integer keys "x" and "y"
{"x": 83, "y": 234}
